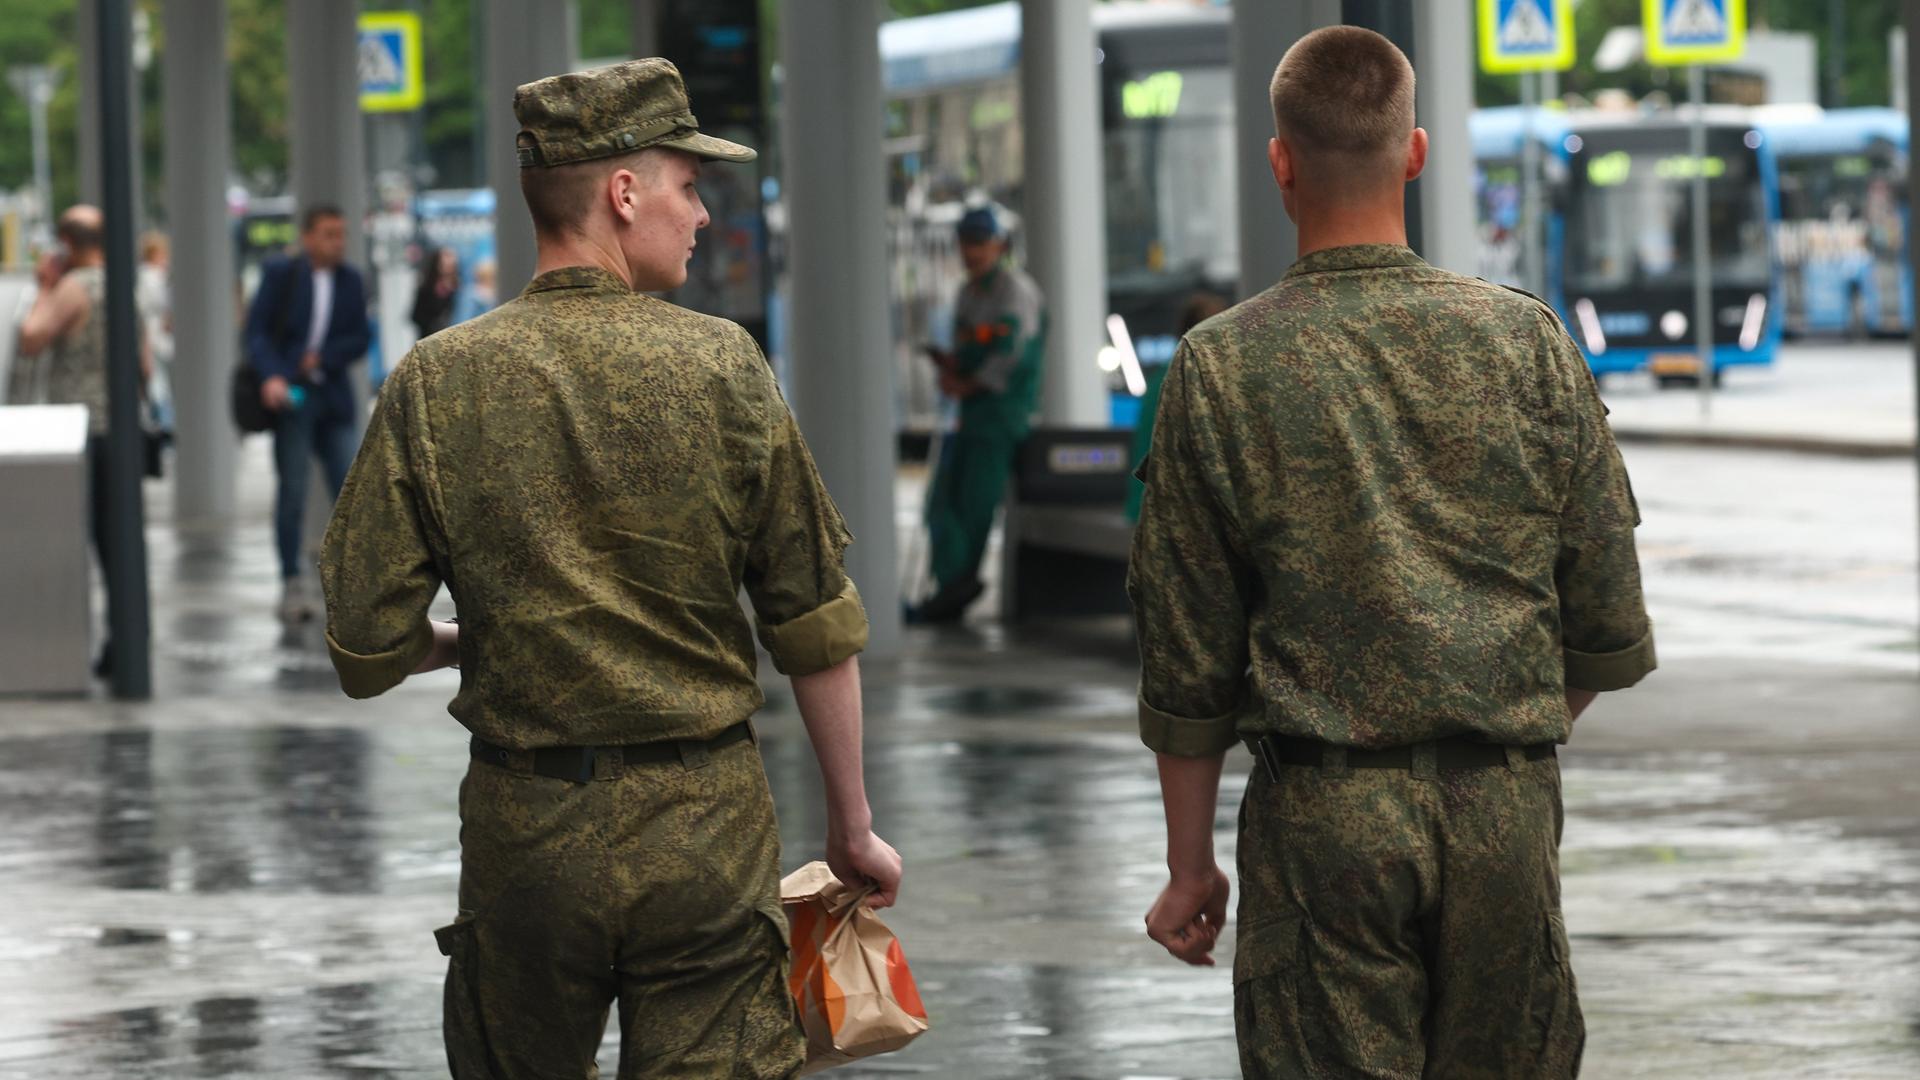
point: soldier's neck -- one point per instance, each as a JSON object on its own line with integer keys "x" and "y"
{"x": 561, "y": 253}
{"x": 1344, "y": 224}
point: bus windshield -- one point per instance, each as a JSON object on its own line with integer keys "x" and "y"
{"x": 1170, "y": 181}
{"x": 1630, "y": 218}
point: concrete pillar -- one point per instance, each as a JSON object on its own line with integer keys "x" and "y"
{"x": 1444, "y": 73}
{"x": 1065, "y": 213}
{"x": 327, "y": 155}
{"x": 644, "y": 16}
{"x": 327, "y": 163}
{"x": 526, "y": 40}
{"x": 842, "y": 360}
{"x": 198, "y": 148}
{"x": 86, "y": 24}
{"x": 1262, "y": 32}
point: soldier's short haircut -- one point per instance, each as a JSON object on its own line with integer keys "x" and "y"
{"x": 558, "y": 196}
{"x": 1344, "y": 95}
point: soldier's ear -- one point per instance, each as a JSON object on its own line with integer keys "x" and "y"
{"x": 622, "y": 191}
{"x": 1416, "y": 154}
{"x": 1280, "y": 157}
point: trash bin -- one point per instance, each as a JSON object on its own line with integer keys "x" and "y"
{"x": 46, "y": 610}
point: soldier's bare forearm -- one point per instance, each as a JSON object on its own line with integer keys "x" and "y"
{"x": 1190, "y": 791}
{"x": 446, "y": 648}
{"x": 1578, "y": 700}
{"x": 829, "y": 703}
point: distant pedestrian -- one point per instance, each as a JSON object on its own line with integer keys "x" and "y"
{"x": 438, "y": 292}
{"x": 999, "y": 338}
{"x": 68, "y": 321}
{"x": 153, "y": 298}
{"x": 1387, "y": 542}
{"x": 481, "y": 294}
{"x": 308, "y": 324}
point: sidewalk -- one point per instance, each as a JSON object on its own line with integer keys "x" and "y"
{"x": 1821, "y": 397}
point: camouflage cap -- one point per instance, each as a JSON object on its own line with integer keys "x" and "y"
{"x": 611, "y": 110}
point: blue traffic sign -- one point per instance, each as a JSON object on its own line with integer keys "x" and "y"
{"x": 389, "y": 60}
{"x": 1526, "y": 35}
{"x": 1694, "y": 31}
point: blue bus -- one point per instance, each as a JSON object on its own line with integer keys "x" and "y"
{"x": 1626, "y": 257}
{"x": 1842, "y": 234}
{"x": 1499, "y": 144}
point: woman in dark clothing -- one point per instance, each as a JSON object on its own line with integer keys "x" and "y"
{"x": 439, "y": 286}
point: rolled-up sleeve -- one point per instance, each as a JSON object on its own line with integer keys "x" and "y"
{"x": 1606, "y": 637}
{"x": 807, "y": 611}
{"x": 376, "y": 567}
{"x": 1188, "y": 584}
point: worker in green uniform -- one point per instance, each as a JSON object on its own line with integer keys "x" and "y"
{"x": 595, "y": 474}
{"x": 1387, "y": 543}
{"x": 993, "y": 371}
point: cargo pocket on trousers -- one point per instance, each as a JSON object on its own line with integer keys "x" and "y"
{"x": 469, "y": 1051}
{"x": 1556, "y": 1005}
{"x": 1266, "y": 1009}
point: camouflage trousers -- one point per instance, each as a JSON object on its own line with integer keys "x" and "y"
{"x": 657, "y": 888}
{"x": 1396, "y": 926}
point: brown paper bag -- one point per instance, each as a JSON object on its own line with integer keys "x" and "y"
{"x": 850, "y": 981}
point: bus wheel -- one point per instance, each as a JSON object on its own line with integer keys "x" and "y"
{"x": 1719, "y": 377}
{"x": 1856, "y": 315}
{"x": 1676, "y": 382}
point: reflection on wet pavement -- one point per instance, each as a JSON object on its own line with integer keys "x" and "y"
{"x": 258, "y": 900}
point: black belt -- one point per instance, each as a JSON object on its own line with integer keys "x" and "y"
{"x": 1454, "y": 752}
{"x": 577, "y": 763}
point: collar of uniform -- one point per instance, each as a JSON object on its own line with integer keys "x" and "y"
{"x": 1355, "y": 257}
{"x": 577, "y": 277}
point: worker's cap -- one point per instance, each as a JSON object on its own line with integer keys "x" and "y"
{"x": 612, "y": 110}
{"x": 980, "y": 223}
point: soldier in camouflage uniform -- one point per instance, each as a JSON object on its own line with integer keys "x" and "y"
{"x": 594, "y": 474}
{"x": 1387, "y": 542}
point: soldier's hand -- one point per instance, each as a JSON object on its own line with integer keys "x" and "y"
{"x": 866, "y": 860}
{"x": 1188, "y": 917}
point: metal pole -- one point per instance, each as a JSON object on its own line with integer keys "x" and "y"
{"x": 42, "y": 155}
{"x": 126, "y": 529}
{"x": 1702, "y": 245}
{"x": 1530, "y": 218}
{"x": 1910, "y": 12}
{"x": 1836, "y": 54}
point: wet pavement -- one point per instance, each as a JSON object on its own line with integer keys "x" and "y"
{"x": 241, "y": 878}
{"x": 1838, "y": 396}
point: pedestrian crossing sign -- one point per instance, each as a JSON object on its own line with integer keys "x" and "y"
{"x": 1694, "y": 31}
{"x": 389, "y": 59}
{"x": 1526, "y": 35}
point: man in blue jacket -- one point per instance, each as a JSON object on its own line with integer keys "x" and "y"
{"x": 307, "y": 325}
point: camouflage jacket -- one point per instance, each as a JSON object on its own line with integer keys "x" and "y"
{"x": 1383, "y": 506}
{"x": 594, "y": 474}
